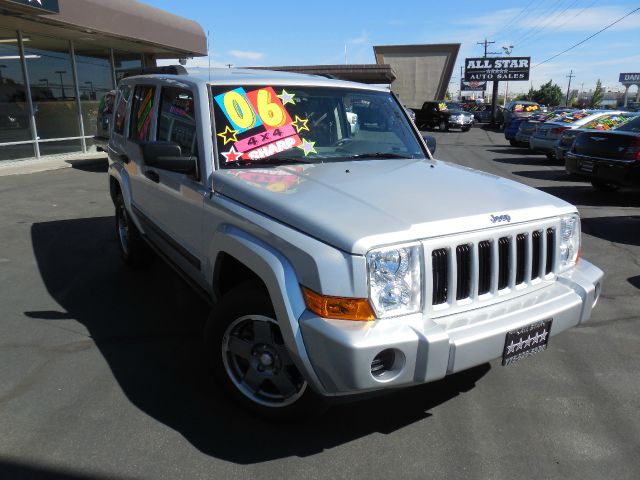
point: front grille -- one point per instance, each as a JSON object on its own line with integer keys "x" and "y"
{"x": 491, "y": 265}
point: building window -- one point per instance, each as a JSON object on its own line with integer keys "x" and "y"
{"x": 53, "y": 93}
{"x": 95, "y": 79}
{"x": 14, "y": 109}
{"x": 126, "y": 62}
{"x": 141, "y": 109}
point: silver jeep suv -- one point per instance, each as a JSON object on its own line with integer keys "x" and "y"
{"x": 339, "y": 259}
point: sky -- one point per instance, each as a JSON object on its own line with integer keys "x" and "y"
{"x": 296, "y": 33}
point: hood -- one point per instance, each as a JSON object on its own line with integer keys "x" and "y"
{"x": 356, "y": 206}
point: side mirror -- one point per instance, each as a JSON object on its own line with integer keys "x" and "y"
{"x": 168, "y": 156}
{"x": 431, "y": 143}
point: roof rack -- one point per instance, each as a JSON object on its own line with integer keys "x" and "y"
{"x": 164, "y": 70}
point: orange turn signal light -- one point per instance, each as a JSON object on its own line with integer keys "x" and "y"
{"x": 339, "y": 308}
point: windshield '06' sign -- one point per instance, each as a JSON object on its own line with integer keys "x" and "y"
{"x": 49, "y": 6}
{"x": 489, "y": 69}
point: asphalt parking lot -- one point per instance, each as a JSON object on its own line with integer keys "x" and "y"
{"x": 102, "y": 374}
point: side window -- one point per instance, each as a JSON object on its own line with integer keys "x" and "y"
{"x": 121, "y": 110}
{"x": 141, "y": 107}
{"x": 176, "y": 119}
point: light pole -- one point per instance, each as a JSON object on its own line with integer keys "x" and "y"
{"x": 61, "y": 72}
{"x": 507, "y": 51}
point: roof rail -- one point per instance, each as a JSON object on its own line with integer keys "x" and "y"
{"x": 165, "y": 70}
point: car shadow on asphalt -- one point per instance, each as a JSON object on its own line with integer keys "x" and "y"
{"x": 586, "y": 195}
{"x": 540, "y": 161}
{"x": 559, "y": 175}
{"x": 509, "y": 150}
{"x": 148, "y": 326}
{"x": 619, "y": 229}
{"x": 635, "y": 281}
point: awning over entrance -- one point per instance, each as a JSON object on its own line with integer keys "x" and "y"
{"x": 117, "y": 23}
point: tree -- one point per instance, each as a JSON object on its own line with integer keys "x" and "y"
{"x": 548, "y": 94}
{"x": 598, "y": 95}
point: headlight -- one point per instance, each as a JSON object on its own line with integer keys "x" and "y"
{"x": 395, "y": 275}
{"x": 569, "y": 241}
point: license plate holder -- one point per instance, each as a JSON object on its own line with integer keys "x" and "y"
{"x": 526, "y": 341}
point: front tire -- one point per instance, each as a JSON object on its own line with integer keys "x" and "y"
{"x": 250, "y": 360}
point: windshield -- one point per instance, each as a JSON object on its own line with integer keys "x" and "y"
{"x": 631, "y": 126}
{"x": 608, "y": 121}
{"x": 258, "y": 126}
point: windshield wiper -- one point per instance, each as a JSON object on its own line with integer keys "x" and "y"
{"x": 270, "y": 161}
{"x": 375, "y": 155}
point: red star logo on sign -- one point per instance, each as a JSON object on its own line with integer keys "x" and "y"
{"x": 232, "y": 155}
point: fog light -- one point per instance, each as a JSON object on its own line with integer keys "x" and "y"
{"x": 383, "y": 362}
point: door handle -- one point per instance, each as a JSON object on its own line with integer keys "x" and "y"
{"x": 152, "y": 175}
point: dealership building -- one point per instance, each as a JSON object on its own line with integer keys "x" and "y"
{"x": 59, "y": 57}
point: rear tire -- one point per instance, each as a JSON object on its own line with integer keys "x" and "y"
{"x": 250, "y": 360}
{"x": 133, "y": 249}
{"x": 513, "y": 143}
{"x": 603, "y": 186}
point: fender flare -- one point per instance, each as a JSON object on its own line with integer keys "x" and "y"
{"x": 278, "y": 275}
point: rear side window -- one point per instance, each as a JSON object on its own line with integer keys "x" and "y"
{"x": 121, "y": 110}
{"x": 176, "y": 119}
{"x": 141, "y": 107}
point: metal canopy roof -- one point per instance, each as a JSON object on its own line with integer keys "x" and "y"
{"x": 116, "y": 22}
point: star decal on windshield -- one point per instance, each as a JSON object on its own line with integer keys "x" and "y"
{"x": 229, "y": 135}
{"x": 300, "y": 124}
{"x": 232, "y": 155}
{"x": 287, "y": 97}
{"x": 307, "y": 147}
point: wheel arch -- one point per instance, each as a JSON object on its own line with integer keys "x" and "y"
{"x": 231, "y": 248}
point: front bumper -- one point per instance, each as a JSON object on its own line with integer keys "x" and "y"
{"x": 466, "y": 122}
{"x": 428, "y": 349}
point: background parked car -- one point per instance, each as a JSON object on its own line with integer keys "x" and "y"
{"x": 604, "y": 122}
{"x": 482, "y": 113}
{"x": 526, "y": 127}
{"x": 611, "y": 159}
{"x": 546, "y": 136}
{"x": 516, "y": 109}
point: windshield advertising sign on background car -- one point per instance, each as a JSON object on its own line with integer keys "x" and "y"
{"x": 489, "y": 69}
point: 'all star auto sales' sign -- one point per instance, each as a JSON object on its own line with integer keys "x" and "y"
{"x": 490, "y": 69}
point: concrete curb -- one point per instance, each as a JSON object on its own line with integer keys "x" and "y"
{"x": 67, "y": 161}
